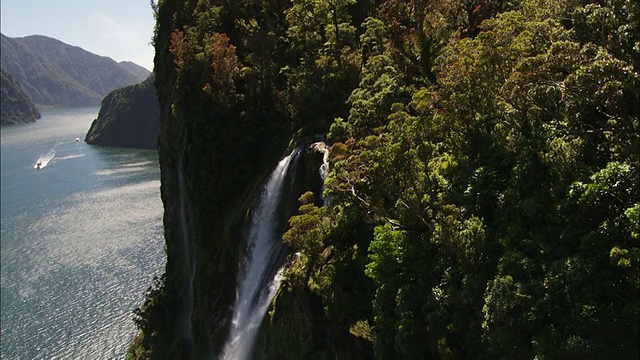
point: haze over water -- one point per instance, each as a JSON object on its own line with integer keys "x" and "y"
{"x": 81, "y": 240}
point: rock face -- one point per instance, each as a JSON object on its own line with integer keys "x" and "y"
{"x": 222, "y": 133}
{"x": 55, "y": 74}
{"x": 16, "y": 106}
{"x": 128, "y": 117}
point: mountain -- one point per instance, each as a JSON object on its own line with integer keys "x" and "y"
{"x": 15, "y": 103}
{"x": 45, "y": 82}
{"x": 55, "y": 74}
{"x": 128, "y": 117}
{"x": 134, "y": 69}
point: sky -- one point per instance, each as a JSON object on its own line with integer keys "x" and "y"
{"x": 119, "y": 29}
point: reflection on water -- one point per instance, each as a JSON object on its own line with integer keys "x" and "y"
{"x": 81, "y": 239}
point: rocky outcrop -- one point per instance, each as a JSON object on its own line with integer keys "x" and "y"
{"x": 129, "y": 117}
{"x": 16, "y": 106}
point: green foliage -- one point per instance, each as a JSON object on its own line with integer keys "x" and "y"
{"x": 385, "y": 254}
{"x": 306, "y": 235}
{"x": 149, "y": 343}
{"x": 322, "y": 39}
{"x": 475, "y": 177}
{"x": 325, "y": 285}
{"x": 484, "y": 171}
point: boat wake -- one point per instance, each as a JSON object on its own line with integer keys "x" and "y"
{"x": 74, "y": 156}
{"x": 44, "y": 159}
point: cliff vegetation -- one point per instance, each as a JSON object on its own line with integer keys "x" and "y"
{"x": 484, "y": 180}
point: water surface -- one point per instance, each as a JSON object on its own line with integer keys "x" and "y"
{"x": 81, "y": 239}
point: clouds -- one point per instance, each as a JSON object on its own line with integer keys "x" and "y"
{"x": 126, "y": 39}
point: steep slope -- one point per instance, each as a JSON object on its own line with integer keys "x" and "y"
{"x": 483, "y": 183}
{"x": 15, "y": 104}
{"x": 232, "y": 105}
{"x": 45, "y": 82}
{"x": 134, "y": 69}
{"x": 56, "y": 74}
{"x": 128, "y": 117}
{"x": 216, "y": 146}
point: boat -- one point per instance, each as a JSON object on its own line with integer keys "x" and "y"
{"x": 77, "y": 139}
{"x": 44, "y": 160}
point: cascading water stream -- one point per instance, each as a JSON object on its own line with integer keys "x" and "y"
{"x": 324, "y": 168}
{"x": 188, "y": 266}
{"x": 260, "y": 280}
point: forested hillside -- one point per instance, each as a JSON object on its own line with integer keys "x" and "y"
{"x": 55, "y": 74}
{"x": 484, "y": 179}
{"x": 16, "y": 107}
{"x": 128, "y": 117}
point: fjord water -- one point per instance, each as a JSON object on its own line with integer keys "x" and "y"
{"x": 81, "y": 239}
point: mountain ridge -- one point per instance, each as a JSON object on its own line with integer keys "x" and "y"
{"x": 135, "y": 69}
{"x": 16, "y": 106}
{"x": 56, "y": 74}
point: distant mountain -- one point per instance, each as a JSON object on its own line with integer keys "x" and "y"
{"x": 15, "y": 105}
{"x": 55, "y": 74}
{"x": 45, "y": 82}
{"x": 135, "y": 69}
{"x": 128, "y": 117}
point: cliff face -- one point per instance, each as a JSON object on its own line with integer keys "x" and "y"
{"x": 221, "y": 134}
{"x": 16, "y": 106}
{"x": 233, "y": 103}
{"x": 483, "y": 176}
{"x": 128, "y": 117}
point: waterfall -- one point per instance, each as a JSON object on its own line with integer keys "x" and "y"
{"x": 324, "y": 168}
{"x": 260, "y": 280}
{"x": 188, "y": 268}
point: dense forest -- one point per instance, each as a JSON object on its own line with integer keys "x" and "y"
{"x": 484, "y": 175}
